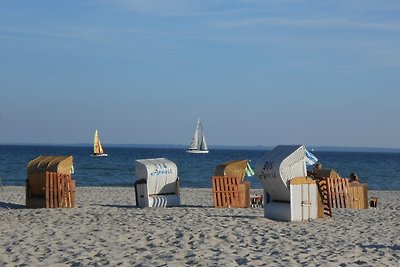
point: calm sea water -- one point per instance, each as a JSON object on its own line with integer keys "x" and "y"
{"x": 380, "y": 170}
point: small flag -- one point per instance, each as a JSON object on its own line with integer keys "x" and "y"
{"x": 310, "y": 158}
{"x": 249, "y": 170}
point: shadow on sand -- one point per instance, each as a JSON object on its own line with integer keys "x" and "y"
{"x": 136, "y": 207}
{"x": 8, "y": 205}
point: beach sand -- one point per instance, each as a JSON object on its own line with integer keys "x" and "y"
{"x": 107, "y": 229}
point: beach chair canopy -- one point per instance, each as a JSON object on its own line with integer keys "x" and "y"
{"x": 160, "y": 174}
{"x": 234, "y": 168}
{"x": 276, "y": 168}
{"x": 58, "y": 164}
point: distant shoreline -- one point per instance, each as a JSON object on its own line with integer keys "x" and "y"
{"x": 216, "y": 147}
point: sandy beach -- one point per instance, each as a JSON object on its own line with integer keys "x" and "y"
{"x": 107, "y": 229}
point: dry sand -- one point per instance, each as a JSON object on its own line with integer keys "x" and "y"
{"x": 107, "y": 229}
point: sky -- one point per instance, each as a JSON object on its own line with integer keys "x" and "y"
{"x": 319, "y": 73}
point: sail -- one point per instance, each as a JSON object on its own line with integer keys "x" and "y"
{"x": 195, "y": 141}
{"x": 203, "y": 145}
{"x": 97, "y": 148}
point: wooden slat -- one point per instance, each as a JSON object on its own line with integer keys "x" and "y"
{"x": 65, "y": 192}
{"x": 337, "y": 193}
{"x": 229, "y": 196}
{"x": 67, "y": 202}
{"x": 69, "y": 194}
{"x": 218, "y": 189}
{"x": 345, "y": 192}
{"x": 230, "y": 191}
{"x": 47, "y": 190}
{"x": 329, "y": 195}
{"x": 332, "y": 184}
{"x": 60, "y": 187}
{"x": 238, "y": 196}
{"x": 332, "y": 191}
{"x": 72, "y": 193}
{"x": 51, "y": 190}
{"x": 56, "y": 191}
{"x": 224, "y": 188}
{"x": 340, "y": 191}
{"x": 213, "y": 186}
{"x": 220, "y": 196}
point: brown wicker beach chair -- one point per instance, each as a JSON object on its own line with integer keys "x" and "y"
{"x": 49, "y": 183}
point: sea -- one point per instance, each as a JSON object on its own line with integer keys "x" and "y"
{"x": 380, "y": 170}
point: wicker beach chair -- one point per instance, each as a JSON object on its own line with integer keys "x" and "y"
{"x": 50, "y": 184}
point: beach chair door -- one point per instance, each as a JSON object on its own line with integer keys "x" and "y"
{"x": 303, "y": 201}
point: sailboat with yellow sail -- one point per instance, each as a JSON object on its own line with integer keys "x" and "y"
{"x": 97, "y": 148}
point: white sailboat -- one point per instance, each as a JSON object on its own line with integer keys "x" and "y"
{"x": 97, "y": 148}
{"x": 198, "y": 145}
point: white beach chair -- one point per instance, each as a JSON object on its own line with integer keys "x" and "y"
{"x": 157, "y": 183}
{"x": 289, "y": 201}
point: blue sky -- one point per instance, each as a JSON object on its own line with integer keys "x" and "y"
{"x": 255, "y": 72}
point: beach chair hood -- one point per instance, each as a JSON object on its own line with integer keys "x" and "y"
{"x": 161, "y": 175}
{"x": 276, "y": 168}
{"x": 234, "y": 168}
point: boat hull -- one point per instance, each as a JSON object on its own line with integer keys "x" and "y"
{"x": 197, "y": 151}
{"x": 99, "y": 155}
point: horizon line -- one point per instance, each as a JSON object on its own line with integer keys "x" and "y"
{"x": 254, "y": 147}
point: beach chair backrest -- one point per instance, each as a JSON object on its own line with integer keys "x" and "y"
{"x": 234, "y": 168}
